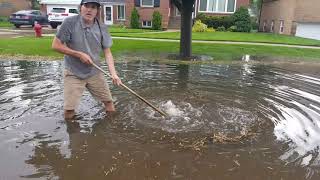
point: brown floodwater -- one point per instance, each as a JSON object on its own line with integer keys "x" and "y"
{"x": 238, "y": 121}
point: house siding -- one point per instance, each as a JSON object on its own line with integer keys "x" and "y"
{"x": 146, "y": 12}
{"x": 166, "y": 9}
{"x": 239, "y": 3}
{"x": 289, "y": 11}
{"x": 168, "y": 13}
{"x": 278, "y": 11}
{"x": 307, "y": 11}
{"x": 8, "y": 7}
{"x": 114, "y": 4}
{"x": 115, "y": 15}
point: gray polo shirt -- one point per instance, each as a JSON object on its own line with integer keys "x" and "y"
{"x": 77, "y": 36}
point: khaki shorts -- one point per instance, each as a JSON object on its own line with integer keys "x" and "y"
{"x": 74, "y": 88}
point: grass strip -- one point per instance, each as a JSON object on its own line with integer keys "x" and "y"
{"x": 30, "y": 46}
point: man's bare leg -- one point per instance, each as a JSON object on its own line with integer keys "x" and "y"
{"x": 109, "y": 106}
{"x": 69, "y": 114}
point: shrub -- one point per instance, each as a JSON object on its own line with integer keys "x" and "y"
{"x": 134, "y": 21}
{"x": 211, "y": 30}
{"x": 216, "y": 21}
{"x": 199, "y": 27}
{"x": 121, "y": 25}
{"x": 4, "y": 19}
{"x": 221, "y": 28}
{"x": 156, "y": 20}
{"x": 232, "y": 29}
{"x": 254, "y": 24}
{"x": 227, "y": 21}
{"x": 202, "y": 17}
{"x": 242, "y": 20}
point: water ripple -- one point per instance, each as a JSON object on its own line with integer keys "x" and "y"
{"x": 200, "y": 99}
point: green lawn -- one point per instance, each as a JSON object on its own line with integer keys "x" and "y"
{"x": 229, "y": 36}
{"x": 5, "y": 24}
{"x": 42, "y": 47}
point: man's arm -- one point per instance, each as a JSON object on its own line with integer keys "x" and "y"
{"x": 58, "y": 46}
{"x": 109, "y": 59}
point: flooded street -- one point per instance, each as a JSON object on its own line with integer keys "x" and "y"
{"x": 238, "y": 121}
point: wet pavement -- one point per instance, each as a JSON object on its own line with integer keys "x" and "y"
{"x": 239, "y": 121}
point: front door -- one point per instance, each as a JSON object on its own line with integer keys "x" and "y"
{"x": 108, "y": 12}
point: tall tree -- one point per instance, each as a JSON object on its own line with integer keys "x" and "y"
{"x": 34, "y": 4}
{"x": 186, "y": 8}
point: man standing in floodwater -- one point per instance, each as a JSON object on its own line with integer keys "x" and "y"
{"x": 82, "y": 38}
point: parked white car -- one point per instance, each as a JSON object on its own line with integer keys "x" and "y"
{"x": 58, "y": 14}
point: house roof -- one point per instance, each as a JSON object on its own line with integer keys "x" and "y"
{"x": 112, "y": 1}
{"x": 78, "y": 1}
{"x": 59, "y": 1}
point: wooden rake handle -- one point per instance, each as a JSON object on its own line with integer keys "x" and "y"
{"x": 134, "y": 93}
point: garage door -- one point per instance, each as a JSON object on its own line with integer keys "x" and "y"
{"x": 308, "y": 30}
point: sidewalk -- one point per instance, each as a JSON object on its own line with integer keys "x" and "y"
{"x": 221, "y": 42}
{"x": 48, "y": 33}
{"x": 25, "y": 31}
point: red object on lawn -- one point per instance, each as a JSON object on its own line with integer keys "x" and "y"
{"x": 38, "y": 29}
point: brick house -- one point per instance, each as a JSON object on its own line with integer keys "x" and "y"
{"x": 10, "y": 6}
{"x": 170, "y": 14}
{"x": 291, "y": 17}
{"x": 119, "y": 11}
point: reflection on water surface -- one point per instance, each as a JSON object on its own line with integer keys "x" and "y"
{"x": 278, "y": 105}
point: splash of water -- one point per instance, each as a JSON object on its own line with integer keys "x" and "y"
{"x": 182, "y": 117}
{"x": 171, "y": 109}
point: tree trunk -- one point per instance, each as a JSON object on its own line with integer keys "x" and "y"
{"x": 186, "y": 29}
{"x": 34, "y": 4}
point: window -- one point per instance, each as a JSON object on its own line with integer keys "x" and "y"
{"x": 231, "y": 5}
{"x": 147, "y": 3}
{"x": 147, "y": 24}
{"x": 281, "y": 27}
{"x": 212, "y": 4}
{"x": 264, "y": 27}
{"x": 272, "y": 26}
{"x": 221, "y": 6}
{"x": 203, "y": 5}
{"x": 121, "y": 12}
{"x": 75, "y": 11}
{"x": 58, "y": 10}
{"x": 217, "y": 6}
{"x": 36, "y": 13}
